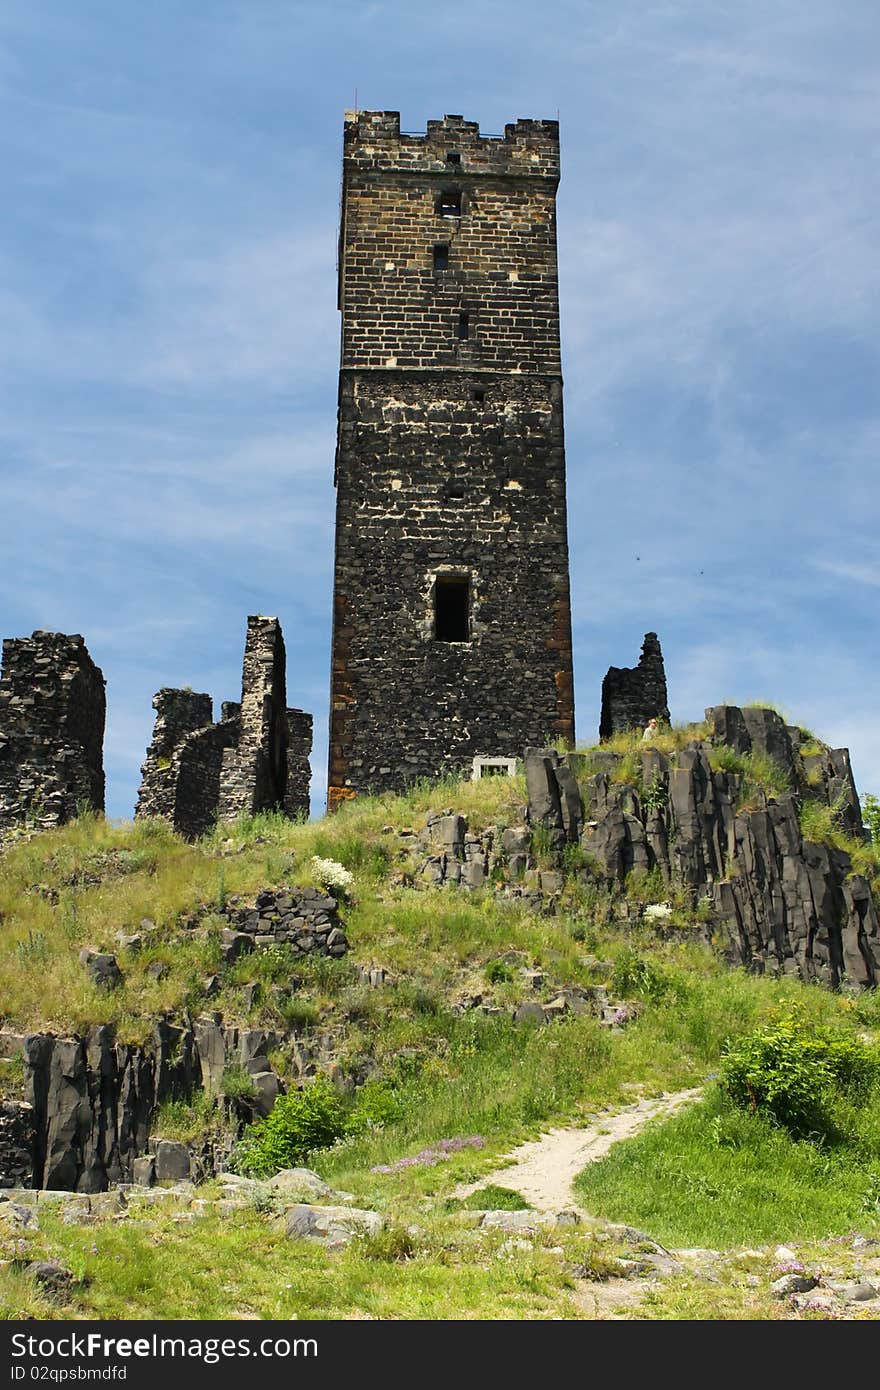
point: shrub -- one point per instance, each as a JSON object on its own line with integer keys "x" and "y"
{"x": 236, "y": 1082}
{"x": 871, "y": 818}
{"x": 634, "y": 975}
{"x": 795, "y": 1073}
{"x": 497, "y": 972}
{"x": 376, "y": 1105}
{"x": 299, "y": 1124}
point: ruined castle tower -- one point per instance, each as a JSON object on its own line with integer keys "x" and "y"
{"x": 452, "y": 624}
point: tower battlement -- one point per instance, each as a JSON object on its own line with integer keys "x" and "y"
{"x": 527, "y": 149}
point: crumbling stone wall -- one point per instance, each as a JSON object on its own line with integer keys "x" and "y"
{"x": 631, "y": 695}
{"x": 52, "y": 710}
{"x": 197, "y": 772}
{"x": 450, "y": 459}
{"x": 17, "y": 1142}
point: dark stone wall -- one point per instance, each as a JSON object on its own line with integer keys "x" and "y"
{"x": 299, "y": 770}
{"x": 17, "y": 1142}
{"x": 196, "y": 772}
{"x": 450, "y": 458}
{"x": 633, "y": 695}
{"x": 52, "y": 711}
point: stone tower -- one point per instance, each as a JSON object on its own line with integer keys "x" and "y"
{"x": 452, "y": 622}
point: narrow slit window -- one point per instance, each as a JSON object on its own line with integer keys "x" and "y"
{"x": 449, "y": 203}
{"x": 464, "y": 325}
{"x": 452, "y": 601}
{"x": 441, "y": 258}
{"x": 479, "y": 395}
{"x": 453, "y": 157}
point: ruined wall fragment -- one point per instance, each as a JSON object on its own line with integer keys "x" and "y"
{"x": 633, "y": 695}
{"x": 52, "y": 711}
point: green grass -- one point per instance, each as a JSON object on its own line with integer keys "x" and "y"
{"x": 717, "y": 1177}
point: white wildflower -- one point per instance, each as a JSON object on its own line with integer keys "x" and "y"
{"x": 657, "y": 911}
{"x": 331, "y": 874}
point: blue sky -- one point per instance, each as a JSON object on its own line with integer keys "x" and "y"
{"x": 169, "y": 331}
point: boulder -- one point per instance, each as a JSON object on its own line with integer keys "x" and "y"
{"x": 299, "y": 1184}
{"x": 172, "y": 1161}
{"x": 333, "y": 1226}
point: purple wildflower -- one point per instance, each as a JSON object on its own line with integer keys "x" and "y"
{"x": 428, "y": 1157}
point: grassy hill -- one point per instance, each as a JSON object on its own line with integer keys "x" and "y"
{"x": 427, "y": 1054}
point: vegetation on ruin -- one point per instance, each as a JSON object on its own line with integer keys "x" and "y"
{"x": 431, "y": 1070}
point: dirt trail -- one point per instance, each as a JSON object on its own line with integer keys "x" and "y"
{"x": 544, "y": 1169}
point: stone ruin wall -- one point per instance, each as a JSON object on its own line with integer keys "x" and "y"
{"x": 255, "y": 759}
{"x": 52, "y": 711}
{"x": 633, "y": 695}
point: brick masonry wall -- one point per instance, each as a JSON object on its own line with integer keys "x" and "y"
{"x": 52, "y": 711}
{"x": 450, "y": 455}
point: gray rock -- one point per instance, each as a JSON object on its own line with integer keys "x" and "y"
{"x": 267, "y": 1089}
{"x": 861, "y": 1292}
{"x": 103, "y": 970}
{"x": 792, "y": 1283}
{"x": 529, "y": 1012}
{"x": 172, "y": 1161}
{"x": 517, "y": 839}
{"x": 144, "y": 1171}
{"x": 234, "y": 944}
{"x": 334, "y": 1226}
{"x": 299, "y": 1184}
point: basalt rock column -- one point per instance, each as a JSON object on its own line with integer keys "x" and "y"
{"x": 452, "y": 628}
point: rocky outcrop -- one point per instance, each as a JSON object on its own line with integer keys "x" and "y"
{"x": 90, "y": 1102}
{"x": 255, "y": 759}
{"x": 776, "y": 901}
{"x": 633, "y": 695}
{"x": 52, "y": 710}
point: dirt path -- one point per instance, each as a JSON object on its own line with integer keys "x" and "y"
{"x": 543, "y": 1169}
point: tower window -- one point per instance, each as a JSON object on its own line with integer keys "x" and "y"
{"x": 449, "y": 203}
{"x": 479, "y": 395}
{"x": 441, "y": 257}
{"x": 452, "y": 601}
{"x": 453, "y": 157}
{"x": 464, "y": 325}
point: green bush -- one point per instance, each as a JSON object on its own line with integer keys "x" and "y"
{"x": 634, "y": 976}
{"x": 798, "y": 1075}
{"x": 299, "y": 1124}
{"x": 236, "y": 1083}
{"x": 498, "y": 972}
{"x": 376, "y": 1105}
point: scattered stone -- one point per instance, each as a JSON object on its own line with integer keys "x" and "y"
{"x": 103, "y": 969}
{"x": 334, "y": 1226}
{"x": 529, "y": 1012}
{"x": 860, "y": 1292}
{"x": 792, "y": 1283}
{"x": 300, "y": 1184}
{"x": 144, "y": 1170}
{"x": 157, "y": 970}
